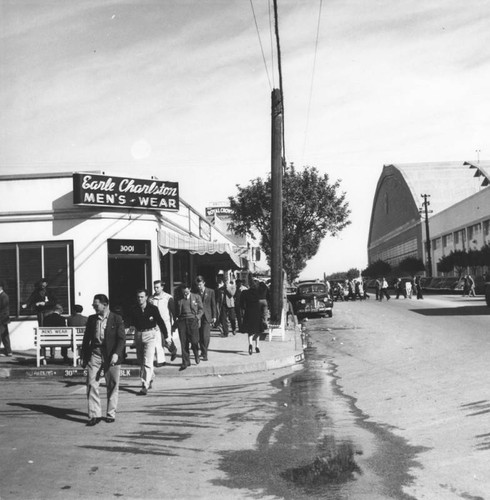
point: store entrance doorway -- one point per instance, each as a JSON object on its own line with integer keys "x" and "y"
{"x": 127, "y": 273}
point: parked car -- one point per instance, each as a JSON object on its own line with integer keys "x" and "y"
{"x": 487, "y": 293}
{"x": 312, "y": 299}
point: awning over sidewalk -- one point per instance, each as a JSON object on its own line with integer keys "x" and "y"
{"x": 173, "y": 242}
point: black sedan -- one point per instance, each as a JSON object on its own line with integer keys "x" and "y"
{"x": 311, "y": 299}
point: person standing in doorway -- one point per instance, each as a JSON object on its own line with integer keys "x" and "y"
{"x": 102, "y": 350}
{"x": 165, "y": 303}
{"x": 145, "y": 318}
{"x": 5, "y": 319}
{"x": 209, "y": 315}
{"x": 188, "y": 313}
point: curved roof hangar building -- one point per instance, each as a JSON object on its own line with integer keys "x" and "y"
{"x": 397, "y": 226}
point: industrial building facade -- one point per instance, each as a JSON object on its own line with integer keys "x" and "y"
{"x": 459, "y": 211}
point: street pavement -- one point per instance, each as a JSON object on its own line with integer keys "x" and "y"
{"x": 227, "y": 355}
{"x": 419, "y": 371}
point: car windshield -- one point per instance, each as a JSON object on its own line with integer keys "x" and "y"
{"x": 315, "y": 288}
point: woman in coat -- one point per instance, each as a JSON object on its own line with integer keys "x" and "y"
{"x": 252, "y": 318}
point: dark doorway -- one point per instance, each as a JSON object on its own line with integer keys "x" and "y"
{"x": 125, "y": 277}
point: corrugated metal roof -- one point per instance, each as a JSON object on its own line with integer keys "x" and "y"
{"x": 447, "y": 183}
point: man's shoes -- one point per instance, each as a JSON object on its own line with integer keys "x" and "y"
{"x": 204, "y": 358}
{"x": 257, "y": 349}
{"x": 182, "y": 368}
{"x": 197, "y": 359}
{"x": 151, "y": 384}
{"x": 250, "y": 350}
{"x": 174, "y": 355}
{"x": 159, "y": 365}
{"x": 110, "y": 420}
{"x": 93, "y": 421}
{"x": 143, "y": 391}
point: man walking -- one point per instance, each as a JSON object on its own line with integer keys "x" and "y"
{"x": 226, "y": 306}
{"x": 102, "y": 350}
{"x": 188, "y": 318}
{"x": 4, "y": 319}
{"x": 384, "y": 290}
{"x": 165, "y": 303}
{"x": 209, "y": 315}
{"x": 146, "y": 320}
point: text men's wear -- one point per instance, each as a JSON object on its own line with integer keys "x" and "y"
{"x": 146, "y": 322}
{"x": 188, "y": 313}
{"x": 209, "y": 314}
{"x": 104, "y": 336}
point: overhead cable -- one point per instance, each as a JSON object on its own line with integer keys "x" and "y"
{"x": 312, "y": 78}
{"x": 260, "y": 42}
{"x": 279, "y": 67}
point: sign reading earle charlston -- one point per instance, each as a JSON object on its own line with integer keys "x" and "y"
{"x": 108, "y": 191}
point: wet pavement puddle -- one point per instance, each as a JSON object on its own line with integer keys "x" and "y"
{"x": 319, "y": 445}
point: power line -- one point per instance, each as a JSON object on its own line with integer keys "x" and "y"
{"x": 272, "y": 44}
{"x": 279, "y": 67}
{"x": 312, "y": 78}
{"x": 260, "y": 42}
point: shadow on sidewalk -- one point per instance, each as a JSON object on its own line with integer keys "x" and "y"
{"x": 53, "y": 411}
{"x": 482, "y": 310}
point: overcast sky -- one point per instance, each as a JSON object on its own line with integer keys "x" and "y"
{"x": 178, "y": 89}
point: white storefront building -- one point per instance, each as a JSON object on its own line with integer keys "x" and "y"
{"x": 89, "y": 233}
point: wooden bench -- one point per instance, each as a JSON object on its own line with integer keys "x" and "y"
{"x": 62, "y": 336}
{"x": 67, "y": 336}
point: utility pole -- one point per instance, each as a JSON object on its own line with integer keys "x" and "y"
{"x": 276, "y": 209}
{"x": 426, "y": 204}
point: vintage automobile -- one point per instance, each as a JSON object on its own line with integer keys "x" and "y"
{"x": 312, "y": 299}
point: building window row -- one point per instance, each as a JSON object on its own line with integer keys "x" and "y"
{"x": 22, "y": 265}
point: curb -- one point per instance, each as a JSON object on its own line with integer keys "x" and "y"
{"x": 133, "y": 372}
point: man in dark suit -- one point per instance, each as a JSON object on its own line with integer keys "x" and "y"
{"x": 102, "y": 349}
{"x": 188, "y": 318}
{"x": 209, "y": 315}
{"x": 4, "y": 319}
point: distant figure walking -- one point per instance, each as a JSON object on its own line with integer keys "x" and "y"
{"x": 384, "y": 290}
{"x": 252, "y": 317}
{"x": 418, "y": 287}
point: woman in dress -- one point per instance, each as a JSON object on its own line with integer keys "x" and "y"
{"x": 252, "y": 321}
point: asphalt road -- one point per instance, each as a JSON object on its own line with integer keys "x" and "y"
{"x": 419, "y": 370}
{"x": 394, "y": 392}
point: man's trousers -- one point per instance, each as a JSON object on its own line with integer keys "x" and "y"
{"x": 145, "y": 351}
{"x": 96, "y": 364}
{"x": 189, "y": 337}
{"x": 204, "y": 336}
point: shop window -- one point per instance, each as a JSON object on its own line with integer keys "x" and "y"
{"x": 23, "y": 264}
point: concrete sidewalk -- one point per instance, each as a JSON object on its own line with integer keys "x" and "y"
{"x": 226, "y": 356}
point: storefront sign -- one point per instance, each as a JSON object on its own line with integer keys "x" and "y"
{"x": 127, "y": 247}
{"x": 220, "y": 211}
{"x": 102, "y": 190}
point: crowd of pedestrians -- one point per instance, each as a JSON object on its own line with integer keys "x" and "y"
{"x": 233, "y": 306}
